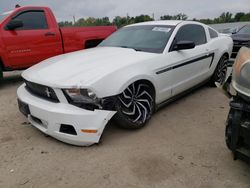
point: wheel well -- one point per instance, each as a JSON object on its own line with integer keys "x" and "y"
{"x": 1, "y": 64}
{"x": 92, "y": 43}
{"x": 148, "y": 83}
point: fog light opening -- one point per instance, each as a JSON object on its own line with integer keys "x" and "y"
{"x": 67, "y": 129}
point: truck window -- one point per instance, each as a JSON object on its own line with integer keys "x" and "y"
{"x": 32, "y": 20}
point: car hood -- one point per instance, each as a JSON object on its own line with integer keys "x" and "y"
{"x": 241, "y": 37}
{"x": 84, "y": 67}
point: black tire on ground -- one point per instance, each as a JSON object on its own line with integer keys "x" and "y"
{"x": 135, "y": 106}
{"x": 220, "y": 72}
{"x": 1, "y": 74}
{"x": 228, "y": 130}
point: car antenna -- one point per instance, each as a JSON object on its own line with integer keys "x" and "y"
{"x": 17, "y": 6}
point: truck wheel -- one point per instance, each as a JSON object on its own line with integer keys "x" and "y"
{"x": 220, "y": 72}
{"x": 135, "y": 106}
{"x": 228, "y": 131}
{"x": 1, "y": 74}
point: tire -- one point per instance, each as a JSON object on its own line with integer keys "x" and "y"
{"x": 1, "y": 74}
{"x": 220, "y": 72}
{"x": 228, "y": 130}
{"x": 135, "y": 106}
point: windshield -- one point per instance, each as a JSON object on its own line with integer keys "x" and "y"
{"x": 244, "y": 30}
{"x": 5, "y": 14}
{"x": 147, "y": 38}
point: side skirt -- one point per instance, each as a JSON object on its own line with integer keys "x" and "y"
{"x": 180, "y": 95}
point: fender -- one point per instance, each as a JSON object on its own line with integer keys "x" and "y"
{"x": 119, "y": 81}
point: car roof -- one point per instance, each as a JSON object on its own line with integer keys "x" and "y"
{"x": 166, "y": 22}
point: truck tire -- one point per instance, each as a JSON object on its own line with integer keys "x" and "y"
{"x": 135, "y": 106}
{"x": 1, "y": 73}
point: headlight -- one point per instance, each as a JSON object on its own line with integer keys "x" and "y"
{"x": 80, "y": 96}
{"x": 87, "y": 99}
{"x": 241, "y": 72}
{"x": 245, "y": 73}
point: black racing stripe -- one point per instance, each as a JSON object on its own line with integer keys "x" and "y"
{"x": 164, "y": 70}
{"x": 211, "y": 60}
{"x": 187, "y": 62}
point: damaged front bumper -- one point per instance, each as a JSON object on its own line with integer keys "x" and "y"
{"x": 63, "y": 121}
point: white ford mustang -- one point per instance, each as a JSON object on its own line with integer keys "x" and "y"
{"x": 73, "y": 96}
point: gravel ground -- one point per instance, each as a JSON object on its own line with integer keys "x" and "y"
{"x": 182, "y": 146}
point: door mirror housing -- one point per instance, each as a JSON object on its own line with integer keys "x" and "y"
{"x": 14, "y": 24}
{"x": 184, "y": 45}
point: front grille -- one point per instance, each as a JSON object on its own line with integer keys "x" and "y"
{"x": 42, "y": 91}
{"x": 237, "y": 46}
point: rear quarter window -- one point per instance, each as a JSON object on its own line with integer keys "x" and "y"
{"x": 212, "y": 33}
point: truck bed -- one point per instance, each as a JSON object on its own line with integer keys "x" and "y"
{"x": 75, "y": 38}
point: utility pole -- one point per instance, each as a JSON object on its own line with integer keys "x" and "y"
{"x": 74, "y": 19}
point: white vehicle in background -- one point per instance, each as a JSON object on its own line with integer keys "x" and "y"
{"x": 130, "y": 74}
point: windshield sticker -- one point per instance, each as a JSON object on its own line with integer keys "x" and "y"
{"x": 161, "y": 29}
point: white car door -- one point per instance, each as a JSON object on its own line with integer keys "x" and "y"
{"x": 187, "y": 68}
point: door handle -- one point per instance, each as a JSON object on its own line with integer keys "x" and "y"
{"x": 49, "y": 34}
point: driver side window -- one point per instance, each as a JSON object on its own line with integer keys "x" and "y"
{"x": 32, "y": 20}
{"x": 192, "y": 32}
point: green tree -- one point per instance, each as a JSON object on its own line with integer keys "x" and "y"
{"x": 179, "y": 16}
{"x": 206, "y": 21}
{"x": 246, "y": 17}
{"x": 93, "y": 21}
{"x": 226, "y": 17}
{"x": 166, "y": 17}
{"x": 142, "y": 18}
{"x": 65, "y": 24}
{"x": 238, "y": 16}
{"x": 120, "y": 21}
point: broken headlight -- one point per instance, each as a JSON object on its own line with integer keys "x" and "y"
{"x": 83, "y": 98}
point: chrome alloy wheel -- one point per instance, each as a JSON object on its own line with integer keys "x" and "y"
{"x": 221, "y": 71}
{"x": 136, "y": 103}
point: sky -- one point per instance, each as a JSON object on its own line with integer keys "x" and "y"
{"x": 66, "y": 9}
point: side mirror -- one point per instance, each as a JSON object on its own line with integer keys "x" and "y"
{"x": 184, "y": 45}
{"x": 13, "y": 24}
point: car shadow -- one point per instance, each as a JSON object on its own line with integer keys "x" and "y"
{"x": 113, "y": 132}
{"x": 11, "y": 79}
{"x": 183, "y": 96}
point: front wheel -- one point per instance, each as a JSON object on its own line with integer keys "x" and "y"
{"x": 135, "y": 106}
{"x": 220, "y": 72}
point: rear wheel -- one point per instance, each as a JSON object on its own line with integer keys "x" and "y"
{"x": 135, "y": 106}
{"x": 220, "y": 72}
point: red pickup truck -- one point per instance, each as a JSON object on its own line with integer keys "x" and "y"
{"x": 29, "y": 35}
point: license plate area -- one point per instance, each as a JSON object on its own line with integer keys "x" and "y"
{"x": 23, "y": 107}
